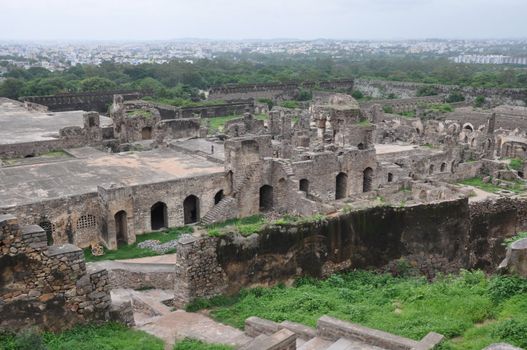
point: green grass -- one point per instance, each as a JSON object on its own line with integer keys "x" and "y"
{"x": 409, "y": 115}
{"x": 291, "y": 104}
{"x": 217, "y": 123}
{"x": 471, "y": 310}
{"x": 245, "y": 226}
{"x": 440, "y": 107}
{"x": 110, "y": 336}
{"x": 190, "y": 344}
{"x": 516, "y": 164}
{"x": 144, "y": 113}
{"x": 517, "y": 187}
{"x": 54, "y": 154}
{"x": 132, "y": 251}
{"x": 292, "y": 219}
{"x": 364, "y": 123}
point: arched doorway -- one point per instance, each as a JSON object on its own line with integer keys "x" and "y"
{"x": 121, "y": 228}
{"x": 390, "y": 177}
{"x": 341, "y": 186}
{"x": 304, "y": 186}
{"x": 158, "y": 216}
{"x": 146, "y": 133}
{"x": 218, "y": 197}
{"x": 431, "y": 169}
{"x": 191, "y": 209}
{"x": 266, "y": 198}
{"x": 360, "y": 146}
{"x": 443, "y": 167}
{"x": 367, "y": 180}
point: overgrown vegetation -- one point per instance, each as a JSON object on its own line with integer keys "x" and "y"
{"x": 471, "y": 310}
{"x": 513, "y": 186}
{"x": 132, "y": 251}
{"x": 244, "y": 226}
{"x": 143, "y": 113}
{"x": 110, "y": 336}
{"x": 508, "y": 241}
{"x": 218, "y": 123}
{"x": 291, "y": 104}
{"x": 190, "y": 344}
{"x": 516, "y": 164}
{"x": 181, "y": 81}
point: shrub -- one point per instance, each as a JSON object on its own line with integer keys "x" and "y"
{"x": 388, "y": 109}
{"x": 504, "y": 287}
{"x": 357, "y": 94}
{"x": 516, "y": 164}
{"x": 512, "y": 331}
{"x": 426, "y": 91}
{"x": 304, "y": 95}
{"x": 455, "y": 96}
{"x": 480, "y": 100}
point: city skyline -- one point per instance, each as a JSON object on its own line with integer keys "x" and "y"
{"x": 134, "y": 20}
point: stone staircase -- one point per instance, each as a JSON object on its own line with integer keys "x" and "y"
{"x": 219, "y": 211}
{"x": 330, "y": 334}
{"x": 243, "y": 179}
{"x": 288, "y": 169}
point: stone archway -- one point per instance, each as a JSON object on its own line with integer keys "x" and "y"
{"x": 218, "y": 197}
{"x": 266, "y": 198}
{"x": 367, "y": 180}
{"x": 304, "y": 186}
{"x": 158, "y": 216}
{"x": 121, "y": 228}
{"x": 341, "y": 186}
{"x": 191, "y": 209}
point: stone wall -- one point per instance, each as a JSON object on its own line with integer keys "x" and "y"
{"x": 86, "y": 101}
{"x": 235, "y": 107}
{"x": 46, "y": 287}
{"x": 275, "y": 90}
{"x": 382, "y": 89}
{"x": 435, "y": 237}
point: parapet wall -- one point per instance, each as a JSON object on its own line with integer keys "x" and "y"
{"x": 275, "y": 90}
{"x": 87, "y": 101}
{"x": 435, "y": 237}
{"x": 46, "y": 286}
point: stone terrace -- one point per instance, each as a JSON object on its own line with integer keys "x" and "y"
{"x": 33, "y": 183}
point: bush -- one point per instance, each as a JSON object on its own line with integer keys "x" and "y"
{"x": 480, "y": 100}
{"x": 388, "y": 109}
{"x": 512, "y": 331}
{"x": 505, "y": 287}
{"x": 455, "y": 96}
{"x": 426, "y": 91}
{"x": 304, "y": 95}
{"x": 357, "y": 94}
{"x": 267, "y": 101}
{"x": 290, "y": 104}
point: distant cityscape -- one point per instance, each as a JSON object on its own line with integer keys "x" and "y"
{"x": 58, "y": 56}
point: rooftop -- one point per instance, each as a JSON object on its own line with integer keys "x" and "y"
{"x": 80, "y": 175}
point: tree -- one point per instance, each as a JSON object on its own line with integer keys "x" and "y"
{"x": 357, "y": 94}
{"x": 480, "y": 100}
{"x": 11, "y": 88}
{"x": 97, "y": 84}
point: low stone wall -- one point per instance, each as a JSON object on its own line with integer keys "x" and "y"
{"x": 435, "y": 237}
{"x": 137, "y": 276}
{"x": 46, "y": 287}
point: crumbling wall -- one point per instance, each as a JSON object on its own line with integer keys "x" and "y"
{"x": 46, "y": 287}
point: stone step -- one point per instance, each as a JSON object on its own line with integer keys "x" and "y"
{"x": 316, "y": 344}
{"x": 342, "y": 344}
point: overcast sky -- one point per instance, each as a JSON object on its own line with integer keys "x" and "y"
{"x": 242, "y": 19}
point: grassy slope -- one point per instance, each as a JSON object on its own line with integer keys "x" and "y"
{"x": 518, "y": 187}
{"x": 132, "y": 251}
{"x": 189, "y": 344}
{"x": 470, "y": 310}
{"x": 109, "y": 336}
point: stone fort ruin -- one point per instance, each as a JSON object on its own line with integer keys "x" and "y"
{"x": 385, "y": 186}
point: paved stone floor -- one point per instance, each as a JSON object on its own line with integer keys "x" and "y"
{"x": 36, "y": 182}
{"x": 20, "y": 125}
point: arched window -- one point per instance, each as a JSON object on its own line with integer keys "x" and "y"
{"x": 390, "y": 177}
{"x": 360, "y": 146}
{"x": 431, "y": 169}
{"x": 218, "y": 197}
{"x": 341, "y": 186}
{"x": 443, "y": 167}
